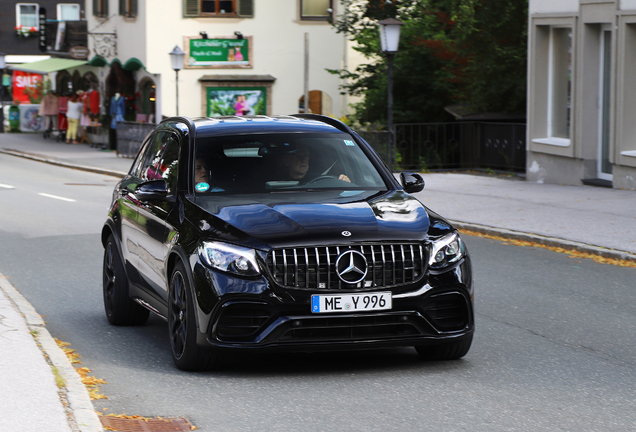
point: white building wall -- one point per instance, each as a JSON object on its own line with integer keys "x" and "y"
{"x": 554, "y": 6}
{"x": 278, "y": 50}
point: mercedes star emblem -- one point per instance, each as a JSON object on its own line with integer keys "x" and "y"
{"x": 346, "y": 233}
{"x": 351, "y": 267}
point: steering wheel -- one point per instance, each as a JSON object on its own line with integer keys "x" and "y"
{"x": 322, "y": 177}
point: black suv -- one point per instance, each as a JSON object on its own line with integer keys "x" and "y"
{"x": 285, "y": 233}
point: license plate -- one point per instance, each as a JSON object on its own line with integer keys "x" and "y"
{"x": 351, "y": 302}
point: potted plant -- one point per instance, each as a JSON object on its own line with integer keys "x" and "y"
{"x": 25, "y": 31}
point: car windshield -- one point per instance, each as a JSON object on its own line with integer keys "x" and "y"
{"x": 283, "y": 162}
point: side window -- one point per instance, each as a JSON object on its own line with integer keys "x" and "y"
{"x": 316, "y": 9}
{"x": 68, "y": 12}
{"x": 170, "y": 163}
{"x": 150, "y": 167}
{"x": 100, "y": 8}
{"x": 128, "y": 8}
{"x": 219, "y": 8}
{"x": 26, "y": 15}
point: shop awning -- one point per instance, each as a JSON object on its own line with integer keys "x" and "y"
{"x": 98, "y": 61}
{"x": 133, "y": 64}
{"x": 47, "y": 66}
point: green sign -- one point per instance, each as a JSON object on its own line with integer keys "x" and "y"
{"x": 237, "y": 101}
{"x": 218, "y": 52}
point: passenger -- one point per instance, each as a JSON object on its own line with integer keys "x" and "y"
{"x": 201, "y": 172}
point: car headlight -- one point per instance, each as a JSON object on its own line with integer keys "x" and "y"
{"x": 447, "y": 250}
{"x": 230, "y": 258}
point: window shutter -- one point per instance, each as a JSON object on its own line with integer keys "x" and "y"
{"x": 133, "y": 8}
{"x": 122, "y": 7}
{"x": 105, "y": 2}
{"x": 245, "y": 8}
{"x": 191, "y": 8}
{"x": 96, "y": 7}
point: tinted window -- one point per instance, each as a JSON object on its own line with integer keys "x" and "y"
{"x": 277, "y": 162}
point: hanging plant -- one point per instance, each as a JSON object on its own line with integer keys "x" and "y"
{"x": 25, "y": 31}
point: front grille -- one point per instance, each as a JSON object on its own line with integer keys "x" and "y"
{"x": 241, "y": 320}
{"x": 315, "y": 268}
{"x": 448, "y": 311}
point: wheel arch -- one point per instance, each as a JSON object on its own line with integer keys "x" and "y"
{"x": 176, "y": 256}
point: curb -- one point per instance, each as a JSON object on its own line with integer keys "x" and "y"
{"x": 64, "y": 164}
{"x": 546, "y": 241}
{"x": 78, "y": 398}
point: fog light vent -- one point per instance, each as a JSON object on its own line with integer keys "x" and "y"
{"x": 241, "y": 320}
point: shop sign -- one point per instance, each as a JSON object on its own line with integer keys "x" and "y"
{"x": 23, "y": 81}
{"x": 238, "y": 101}
{"x": 42, "y": 19}
{"x": 218, "y": 53}
{"x": 79, "y": 52}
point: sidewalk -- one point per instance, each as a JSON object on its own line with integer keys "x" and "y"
{"x": 595, "y": 220}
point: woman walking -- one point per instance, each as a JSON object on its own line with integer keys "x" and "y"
{"x": 73, "y": 114}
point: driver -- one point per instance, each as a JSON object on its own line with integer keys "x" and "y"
{"x": 297, "y": 165}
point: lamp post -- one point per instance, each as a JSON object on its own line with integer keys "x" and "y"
{"x": 3, "y": 65}
{"x": 176, "y": 56}
{"x": 389, "y": 38}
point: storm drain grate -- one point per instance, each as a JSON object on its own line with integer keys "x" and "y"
{"x": 147, "y": 424}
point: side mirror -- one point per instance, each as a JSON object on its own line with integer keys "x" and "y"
{"x": 153, "y": 190}
{"x": 411, "y": 182}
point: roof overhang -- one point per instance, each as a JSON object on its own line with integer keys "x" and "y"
{"x": 47, "y": 66}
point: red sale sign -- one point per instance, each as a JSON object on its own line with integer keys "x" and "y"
{"x": 23, "y": 81}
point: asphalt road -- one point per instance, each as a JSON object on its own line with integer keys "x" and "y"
{"x": 554, "y": 348}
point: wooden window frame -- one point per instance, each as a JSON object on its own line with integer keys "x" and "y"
{"x": 315, "y": 17}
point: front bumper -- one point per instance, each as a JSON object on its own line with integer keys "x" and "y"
{"x": 253, "y": 315}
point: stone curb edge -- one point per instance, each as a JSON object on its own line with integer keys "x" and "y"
{"x": 546, "y": 241}
{"x": 78, "y": 398}
{"x": 96, "y": 170}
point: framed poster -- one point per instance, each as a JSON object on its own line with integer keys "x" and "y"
{"x": 220, "y": 52}
{"x": 237, "y": 101}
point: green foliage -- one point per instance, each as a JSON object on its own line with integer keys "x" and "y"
{"x": 471, "y": 52}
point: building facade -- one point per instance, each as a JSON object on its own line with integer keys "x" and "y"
{"x": 581, "y": 104}
{"x": 241, "y": 56}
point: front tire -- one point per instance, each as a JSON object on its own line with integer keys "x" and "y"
{"x": 120, "y": 309}
{"x": 182, "y": 326}
{"x": 445, "y": 351}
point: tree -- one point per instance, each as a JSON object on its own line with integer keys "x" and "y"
{"x": 451, "y": 51}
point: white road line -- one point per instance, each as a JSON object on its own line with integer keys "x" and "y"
{"x": 6, "y": 186}
{"x": 57, "y": 197}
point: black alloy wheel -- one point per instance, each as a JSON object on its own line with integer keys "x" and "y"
{"x": 186, "y": 354}
{"x": 120, "y": 309}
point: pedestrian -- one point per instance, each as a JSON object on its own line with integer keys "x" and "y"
{"x": 73, "y": 114}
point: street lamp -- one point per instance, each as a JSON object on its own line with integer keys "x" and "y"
{"x": 389, "y": 38}
{"x": 3, "y": 65}
{"x": 176, "y": 56}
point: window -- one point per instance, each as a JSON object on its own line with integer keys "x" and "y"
{"x": 100, "y": 8}
{"x": 315, "y": 9}
{"x": 560, "y": 82}
{"x": 218, "y": 8}
{"x": 68, "y": 12}
{"x": 128, "y": 8}
{"x": 27, "y": 15}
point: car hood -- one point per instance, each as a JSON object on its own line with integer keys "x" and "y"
{"x": 290, "y": 221}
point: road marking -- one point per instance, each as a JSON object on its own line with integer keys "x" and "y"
{"x": 57, "y": 197}
{"x": 6, "y": 186}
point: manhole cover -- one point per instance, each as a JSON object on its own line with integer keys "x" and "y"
{"x": 146, "y": 425}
